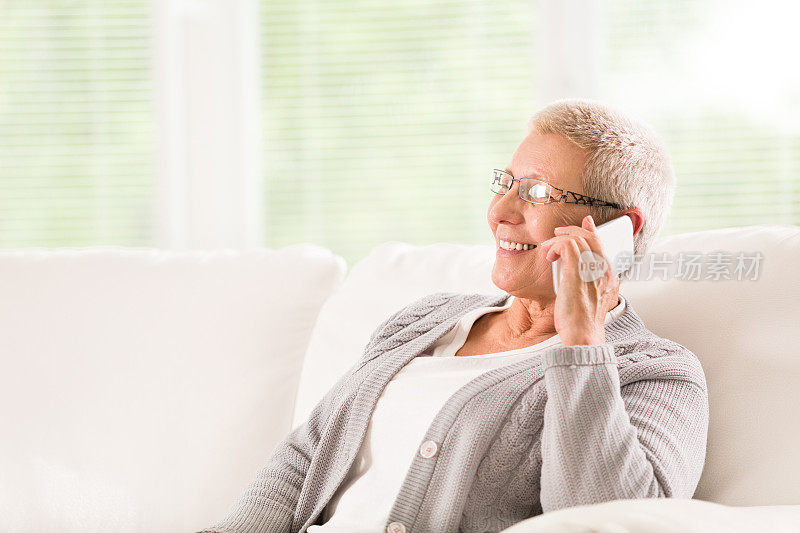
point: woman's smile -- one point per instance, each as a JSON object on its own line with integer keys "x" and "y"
{"x": 513, "y": 251}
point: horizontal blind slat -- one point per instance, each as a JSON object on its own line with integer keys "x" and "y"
{"x": 76, "y": 124}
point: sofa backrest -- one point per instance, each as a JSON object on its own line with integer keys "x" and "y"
{"x": 142, "y": 389}
{"x": 744, "y": 332}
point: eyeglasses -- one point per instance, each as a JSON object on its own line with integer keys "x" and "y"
{"x": 536, "y": 191}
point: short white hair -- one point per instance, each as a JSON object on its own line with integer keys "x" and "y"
{"x": 627, "y": 161}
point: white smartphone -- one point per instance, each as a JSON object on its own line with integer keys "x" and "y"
{"x": 616, "y": 236}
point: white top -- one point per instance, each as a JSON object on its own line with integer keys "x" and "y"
{"x": 402, "y": 416}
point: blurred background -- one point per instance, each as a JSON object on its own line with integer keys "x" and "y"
{"x": 255, "y": 123}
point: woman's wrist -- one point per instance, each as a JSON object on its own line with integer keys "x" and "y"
{"x": 584, "y": 340}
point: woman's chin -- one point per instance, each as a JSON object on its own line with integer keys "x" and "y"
{"x": 512, "y": 282}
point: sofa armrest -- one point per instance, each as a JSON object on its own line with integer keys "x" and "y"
{"x": 663, "y": 515}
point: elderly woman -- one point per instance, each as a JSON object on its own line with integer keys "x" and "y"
{"x": 472, "y": 412}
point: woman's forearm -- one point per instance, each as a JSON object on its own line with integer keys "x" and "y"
{"x": 601, "y": 442}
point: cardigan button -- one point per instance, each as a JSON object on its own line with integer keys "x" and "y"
{"x": 428, "y": 449}
{"x": 396, "y": 527}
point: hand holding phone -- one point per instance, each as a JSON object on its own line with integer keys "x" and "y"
{"x": 616, "y": 237}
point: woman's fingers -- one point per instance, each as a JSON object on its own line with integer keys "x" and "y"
{"x": 590, "y": 235}
{"x": 568, "y": 255}
{"x": 569, "y": 247}
{"x": 571, "y": 251}
{"x": 552, "y": 246}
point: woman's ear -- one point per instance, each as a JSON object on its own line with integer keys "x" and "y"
{"x": 636, "y": 218}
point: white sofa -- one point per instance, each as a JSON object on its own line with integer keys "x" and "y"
{"x": 141, "y": 389}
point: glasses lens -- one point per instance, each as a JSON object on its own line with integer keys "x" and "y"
{"x": 500, "y": 182}
{"x": 534, "y": 190}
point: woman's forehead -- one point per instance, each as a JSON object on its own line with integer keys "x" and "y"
{"x": 551, "y": 158}
{"x": 529, "y": 172}
{"x": 563, "y": 177}
{"x": 535, "y": 171}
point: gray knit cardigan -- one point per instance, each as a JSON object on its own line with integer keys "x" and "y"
{"x": 572, "y": 425}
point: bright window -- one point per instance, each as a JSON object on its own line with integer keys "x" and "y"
{"x": 75, "y": 123}
{"x": 713, "y": 78}
{"x": 383, "y": 119}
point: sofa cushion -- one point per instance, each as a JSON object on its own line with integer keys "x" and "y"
{"x": 142, "y": 389}
{"x": 744, "y": 333}
{"x": 663, "y": 515}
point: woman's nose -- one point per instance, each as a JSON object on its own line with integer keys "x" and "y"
{"x": 507, "y": 207}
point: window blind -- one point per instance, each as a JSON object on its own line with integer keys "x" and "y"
{"x": 714, "y": 78}
{"x": 383, "y": 120}
{"x": 75, "y": 123}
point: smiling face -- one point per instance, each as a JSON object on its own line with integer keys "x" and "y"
{"x": 554, "y": 159}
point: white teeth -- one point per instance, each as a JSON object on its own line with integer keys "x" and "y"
{"x": 506, "y": 245}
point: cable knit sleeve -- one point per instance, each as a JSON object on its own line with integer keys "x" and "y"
{"x": 268, "y": 503}
{"x": 603, "y": 442}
